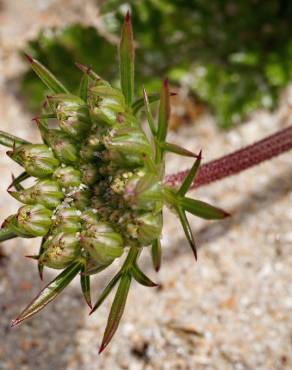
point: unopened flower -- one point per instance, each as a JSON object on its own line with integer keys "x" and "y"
{"x": 99, "y": 187}
{"x": 60, "y": 250}
{"x": 37, "y": 159}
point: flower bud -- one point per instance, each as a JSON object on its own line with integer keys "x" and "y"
{"x": 11, "y": 224}
{"x": 60, "y": 250}
{"x": 67, "y": 177}
{"x": 73, "y": 118}
{"x": 102, "y": 243}
{"x": 37, "y": 159}
{"x": 34, "y": 219}
{"x": 64, "y": 148}
{"x": 45, "y": 192}
{"x": 146, "y": 228}
{"x": 143, "y": 193}
{"x": 127, "y": 146}
{"x": 106, "y": 103}
{"x": 67, "y": 219}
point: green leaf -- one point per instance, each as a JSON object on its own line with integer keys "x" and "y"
{"x": 202, "y": 209}
{"x": 190, "y": 176}
{"x": 156, "y": 254}
{"x": 18, "y": 180}
{"x": 139, "y": 276}
{"x": 187, "y": 229}
{"x": 169, "y": 147}
{"x": 116, "y": 311}
{"x": 11, "y": 140}
{"x": 106, "y": 292}
{"x": 85, "y": 286}
{"x": 149, "y": 114}
{"x": 83, "y": 88}
{"x": 47, "y": 77}
{"x": 6, "y": 234}
{"x": 164, "y": 112}
{"x": 127, "y": 58}
{"x": 50, "y": 292}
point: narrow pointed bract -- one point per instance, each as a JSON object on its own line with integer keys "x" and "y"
{"x": 16, "y": 181}
{"x": 138, "y": 104}
{"x": 47, "y": 77}
{"x": 156, "y": 254}
{"x": 141, "y": 278}
{"x": 190, "y": 176}
{"x": 164, "y": 112}
{"x": 188, "y": 231}
{"x": 148, "y": 113}
{"x": 10, "y": 140}
{"x": 6, "y": 234}
{"x": 202, "y": 209}
{"x": 50, "y": 292}
{"x": 106, "y": 292}
{"x": 40, "y": 265}
{"x": 173, "y": 148}
{"x": 127, "y": 56}
{"x": 116, "y": 311}
{"x": 85, "y": 286}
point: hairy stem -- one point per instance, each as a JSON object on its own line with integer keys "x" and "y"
{"x": 239, "y": 160}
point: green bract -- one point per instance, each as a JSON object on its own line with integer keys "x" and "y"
{"x": 99, "y": 187}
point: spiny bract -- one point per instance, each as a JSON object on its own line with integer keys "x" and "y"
{"x": 99, "y": 184}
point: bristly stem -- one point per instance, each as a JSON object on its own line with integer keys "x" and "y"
{"x": 239, "y": 160}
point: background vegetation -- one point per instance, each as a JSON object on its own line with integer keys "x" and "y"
{"x": 234, "y": 56}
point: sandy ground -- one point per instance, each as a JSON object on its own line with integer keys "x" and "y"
{"x": 230, "y": 310}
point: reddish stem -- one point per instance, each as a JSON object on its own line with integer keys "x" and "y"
{"x": 238, "y": 161}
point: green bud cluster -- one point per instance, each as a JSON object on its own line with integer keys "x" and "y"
{"x": 98, "y": 183}
{"x": 95, "y": 161}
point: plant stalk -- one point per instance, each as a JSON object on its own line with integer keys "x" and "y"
{"x": 238, "y": 161}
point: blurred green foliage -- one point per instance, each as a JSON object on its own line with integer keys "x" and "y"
{"x": 233, "y": 55}
{"x": 58, "y": 49}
